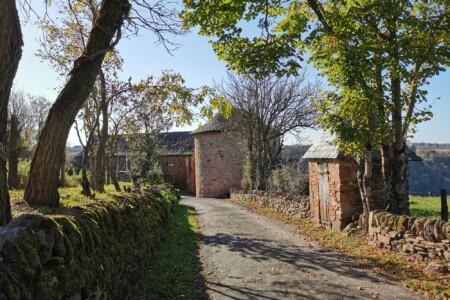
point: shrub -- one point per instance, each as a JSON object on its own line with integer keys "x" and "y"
{"x": 23, "y": 169}
{"x": 289, "y": 179}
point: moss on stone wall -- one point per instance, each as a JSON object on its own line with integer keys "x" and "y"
{"x": 429, "y": 229}
{"x": 93, "y": 251}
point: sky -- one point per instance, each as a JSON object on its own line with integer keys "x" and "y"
{"x": 197, "y": 63}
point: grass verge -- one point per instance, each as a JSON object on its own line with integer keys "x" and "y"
{"x": 395, "y": 267}
{"x": 69, "y": 197}
{"x": 175, "y": 271}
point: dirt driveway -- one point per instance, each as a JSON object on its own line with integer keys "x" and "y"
{"x": 247, "y": 256}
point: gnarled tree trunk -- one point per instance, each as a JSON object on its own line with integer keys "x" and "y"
{"x": 42, "y": 185}
{"x": 13, "y": 160}
{"x": 10, "y": 54}
{"x": 84, "y": 177}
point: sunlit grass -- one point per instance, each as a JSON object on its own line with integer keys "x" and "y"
{"x": 429, "y": 207}
{"x": 69, "y": 197}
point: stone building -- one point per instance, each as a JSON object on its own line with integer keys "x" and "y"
{"x": 219, "y": 158}
{"x": 333, "y": 186}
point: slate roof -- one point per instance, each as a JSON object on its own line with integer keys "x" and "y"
{"x": 218, "y": 123}
{"x": 323, "y": 150}
{"x": 172, "y": 143}
{"x": 326, "y": 150}
{"x": 177, "y": 142}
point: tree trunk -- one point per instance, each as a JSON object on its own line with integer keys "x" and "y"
{"x": 360, "y": 177}
{"x": 100, "y": 164}
{"x": 42, "y": 185}
{"x": 365, "y": 171}
{"x": 112, "y": 173}
{"x": 108, "y": 175}
{"x": 62, "y": 171}
{"x": 400, "y": 162}
{"x": 86, "y": 186}
{"x": 10, "y": 54}
{"x": 13, "y": 161}
{"x": 400, "y": 179}
{"x": 386, "y": 165}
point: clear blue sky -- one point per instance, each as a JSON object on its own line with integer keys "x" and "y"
{"x": 198, "y": 64}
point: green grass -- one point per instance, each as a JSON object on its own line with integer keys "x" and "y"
{"x": 69, "y": 197}
{"x": 429, "y": 207}
{"x": 175, "y": 272}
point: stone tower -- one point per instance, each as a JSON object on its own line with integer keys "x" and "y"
{"x": 219, "y": 158}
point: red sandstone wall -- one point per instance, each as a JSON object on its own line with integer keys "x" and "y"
{"x": 190, "y": 174}
{"x": 349, "y": 197}
{"x": 177, "y": 172}
{"x": 218, "y": 163}
{"x": 344, "y": 197}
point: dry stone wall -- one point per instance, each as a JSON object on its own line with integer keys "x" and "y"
{"x": 422, "y": 239}
{"x": 93, "y": 252}
{"x": 291, "y": 204}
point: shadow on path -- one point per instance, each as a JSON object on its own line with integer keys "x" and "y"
{"x": 299, "y": 257}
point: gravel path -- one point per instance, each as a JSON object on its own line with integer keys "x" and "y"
{"x": 247, "y": 256}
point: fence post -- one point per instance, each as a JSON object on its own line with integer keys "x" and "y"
{"x": 444, "y": 205}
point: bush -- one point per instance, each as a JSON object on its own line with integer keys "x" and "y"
{"x": 23, "y": 169}
{"x": 289, "y": 179}
{"x": 73, "y": 180}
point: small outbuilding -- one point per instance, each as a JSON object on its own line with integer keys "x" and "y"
{"x": 333, "y": 186}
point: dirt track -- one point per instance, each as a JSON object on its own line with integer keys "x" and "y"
{"x": 247, "y": 256}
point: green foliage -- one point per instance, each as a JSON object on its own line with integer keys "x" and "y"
{"x": 361, "y": 47}
{"x": 23, "y": 168}
{"x": 175, "y": 271}
{"x": 274, "y": 51}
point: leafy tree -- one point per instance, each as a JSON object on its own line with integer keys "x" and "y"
{"x": 113, "y": 18}
{"x": 10, "y": 54}
{"x": 378, "y": 55}
{"x": 63, "y": 41}
{"x": 158, "y": 104}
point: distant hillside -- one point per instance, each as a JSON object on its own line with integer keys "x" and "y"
{"x": 71, "y": 152}
{"x": 430, "y": 145}
{"x": 433, "y": 173}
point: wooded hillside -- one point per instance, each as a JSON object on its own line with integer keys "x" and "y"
{"x": 432, "y": 174}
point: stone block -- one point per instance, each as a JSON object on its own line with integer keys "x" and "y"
{"x": 386, "y": 240}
